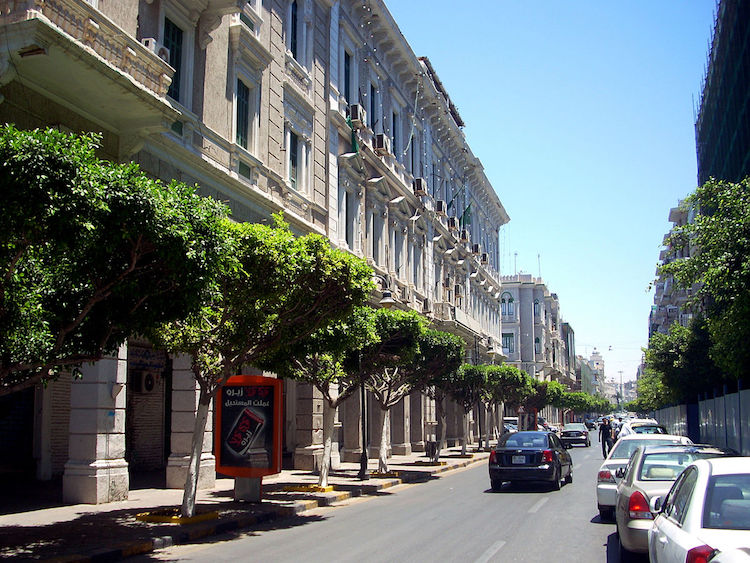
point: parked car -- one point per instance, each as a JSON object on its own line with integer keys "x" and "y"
{"x": 606, "y": 479}
{"x": 575, "y": 433}
{"x": 705, "y": 514}
{"x": 530, "y": 456}
{"x": 640, "y": 426}
{"x": 650, "y": 472}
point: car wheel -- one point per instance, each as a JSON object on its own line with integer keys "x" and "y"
{"x": 496, "y": 484}
{"x": 605, "y": 514}
{"x": 556, "y": 485}
{"x": 625, "y": 555}
{"x": 569, "y": 478}
{"x": 588, "y": 444}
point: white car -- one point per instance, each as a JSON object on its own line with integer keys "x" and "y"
{"x": 640, "y": 426}
{"x": 606, "y": 480}
{"x": 706, "y": 513}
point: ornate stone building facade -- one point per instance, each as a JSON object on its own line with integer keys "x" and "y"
{"x": 318, "y": 108}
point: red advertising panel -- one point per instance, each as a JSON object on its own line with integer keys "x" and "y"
{"x": 248, "y": 426}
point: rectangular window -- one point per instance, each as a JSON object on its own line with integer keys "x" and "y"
{"x": 293, "y": 159}
{"x": 173, "y": 42}
{"x": 349, "y": 218}
{"x": 373, "y": 106}
{"x": 508, "y": 343}
{"x": 243, "y": 113}
{"x": 293, "y": 29}
{"x": 347, "y": 77}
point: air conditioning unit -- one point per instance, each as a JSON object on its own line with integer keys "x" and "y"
{"x": 448, "y": 282}
{"x": 485, "y": 258}
{"x": 382, "y": 144}
{"x": 452, "y": 223}
{"x": 441, "y": 208}
{"x": 427, "y": 305}
{"x": 464, "y": 235}
{"x": 142, "y": 381}
{"x": 457, "y": 289}
{"x": 157, "y": 48}
{"x": 358, "y": 115}
{"x": 476, "y": 248}
{"x": 420, "y": 187}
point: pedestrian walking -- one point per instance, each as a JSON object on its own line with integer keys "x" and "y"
{"x": 605, "y": 437}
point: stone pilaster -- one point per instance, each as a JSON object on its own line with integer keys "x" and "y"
{"x": 351, "y": 411}
{"x": 185, "y": 393}
{"x": 96, "y": 471}
{"x": 400, "y": 427}
{"x": 418, "y": 423}
{"x": 309, "y": 434}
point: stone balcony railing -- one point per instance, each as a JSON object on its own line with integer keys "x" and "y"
{"x": 97, "y": 33}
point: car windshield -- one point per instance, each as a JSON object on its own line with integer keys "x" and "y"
{"x": 668, "y": 466}
{"x": 727, "y": 504}
{"x": 625, "y": 447}
{"x": 524, "y": 440}
{"x": 649, "y": 429}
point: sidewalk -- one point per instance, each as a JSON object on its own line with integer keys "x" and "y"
{"x": 108, "y": 532}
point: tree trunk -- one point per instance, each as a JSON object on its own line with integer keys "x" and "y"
{"x": 383, "y": 454}
{"x": 191, "y": 480}
{"x": 329, "y": 416}
{"x": 487, "y": 425}
{"x": 465, "y": 441}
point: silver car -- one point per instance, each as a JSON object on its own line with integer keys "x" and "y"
{"x": 650, "y": 473}
{"x": 606, "y": 480}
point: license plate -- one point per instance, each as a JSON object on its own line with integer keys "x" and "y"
{"x": 518, "y": 459}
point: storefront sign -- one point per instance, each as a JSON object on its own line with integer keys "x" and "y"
{"x": 249, "y": 421}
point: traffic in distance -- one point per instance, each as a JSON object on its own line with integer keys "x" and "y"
{"x": 670, "y": 498}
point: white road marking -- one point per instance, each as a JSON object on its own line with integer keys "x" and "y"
{"x": 539, "y": 504}
{"x": 493, "y": 549}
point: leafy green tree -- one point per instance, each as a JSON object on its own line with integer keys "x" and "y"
{"x": 466, "y": 389}
{"x": 507, "y": 385}
{"x": 390, "y": 365}
{"x": 91, "y": 253}
{"x": 652, "y": 392}
{"x": 275, "y": 289}
{"x": 681, "y": 357}
{"x": 544, "y": 393}
{"x": 441, "y": 353}
{"x": 328, "y": 359}
{"x": 716, "y": 267}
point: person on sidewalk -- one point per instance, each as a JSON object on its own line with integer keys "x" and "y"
{"x": 605, "y": 437}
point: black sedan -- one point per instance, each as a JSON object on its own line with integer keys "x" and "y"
{"x": 575, "y": 433}
{"x": 530, "y": 456}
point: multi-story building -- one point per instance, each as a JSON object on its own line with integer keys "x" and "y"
{"x": 669, "y": 299}
{"x": 534, "y": 337}
{"x": 722, "y": 130}
{"x": 317, "y": 108}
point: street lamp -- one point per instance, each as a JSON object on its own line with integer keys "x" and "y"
{"x": 386, "y": 301}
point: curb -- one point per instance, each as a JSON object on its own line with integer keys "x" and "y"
{"x": 203, "y": 530}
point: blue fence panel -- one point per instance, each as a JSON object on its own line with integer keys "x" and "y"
{"x": 708, "y": 424}
{"x": 745, "y": 421}
{"x": 721, "y": 422}
{"x": 733, "y": 421}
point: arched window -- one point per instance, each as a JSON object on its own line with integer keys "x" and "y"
{"x": 507, "y": 305}
{"x": 537, "y": 346}
{"x": 536, "y": 307}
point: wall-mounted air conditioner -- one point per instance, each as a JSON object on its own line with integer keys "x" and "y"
{"x": 485, "y": 258}
{"x": 458, "y": 289}
{"x": 157, "y": 48}
{"x": 382, "y": 144}
{"x": 452, "y": 223}
{"x": 441, "y": 208}
{"x": 358, "y": 115}
{"x": 476, "y": 248}
{"x": 420, "y": 187}
{"x": 142, "y": 381}
{"x": 427, "y": 305}
{"x": 464, "y": 235}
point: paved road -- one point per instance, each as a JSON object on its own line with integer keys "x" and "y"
{"x": 453, "y": 518}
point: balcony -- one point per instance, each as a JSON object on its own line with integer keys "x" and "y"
{"x": 67, "y": 48}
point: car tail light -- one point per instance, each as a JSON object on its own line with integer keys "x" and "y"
{"x": 548, "y": 456}
{"x": 493, "y": 456}
{"x": 605, "y": 476}
{"x": 585, "y": 432}
{"x": 700, "y": 554}
{"x": 638, "y": 507}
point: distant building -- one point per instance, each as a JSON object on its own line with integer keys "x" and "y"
{"x": 722, "y": 130}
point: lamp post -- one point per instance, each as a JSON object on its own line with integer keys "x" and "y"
{"x": 386, "y": 301}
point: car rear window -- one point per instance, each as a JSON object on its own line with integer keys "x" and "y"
{"x": 624, "y": 448}
{"x": 727, "y": 504}
{"x": 649, "y": 429}
{"x": 524, "y": 440}
{"x": 667, "y": 466}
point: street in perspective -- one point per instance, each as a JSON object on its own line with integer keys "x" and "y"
{"x": 375, "y": 280}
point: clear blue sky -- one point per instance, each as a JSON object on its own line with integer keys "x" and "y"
{"x": 582, "y": 113}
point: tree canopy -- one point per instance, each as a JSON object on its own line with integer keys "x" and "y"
{"x": 91, "y": 253}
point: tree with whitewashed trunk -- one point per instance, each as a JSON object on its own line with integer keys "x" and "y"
{"x": 466, "y": 389}
{"x": 328, "y": 359}
{"x": 276, "y": 288}
{"x": 441, "y": 355}
{"x": 507, "y": 385}
{"x": 390, "y": 365}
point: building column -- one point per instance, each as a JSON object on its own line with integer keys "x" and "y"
{"x": 418, "y": 421}
{"x": 308, "y": 452}
{"x": 400, "y": 427}
{"x": 96, "y": 471}
{"x": 185, "y": 394}
{"x": 351, "y": 410}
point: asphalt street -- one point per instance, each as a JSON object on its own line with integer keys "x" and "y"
{"x": 455, "y": 517}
